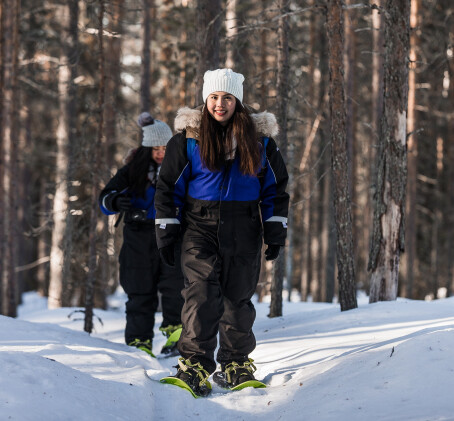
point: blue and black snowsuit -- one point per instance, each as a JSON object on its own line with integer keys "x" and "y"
{"x": 142, "y": 272}
{"x": 223, "y": 216}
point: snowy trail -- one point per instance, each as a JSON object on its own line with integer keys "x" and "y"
{"x": 387, "y": 361}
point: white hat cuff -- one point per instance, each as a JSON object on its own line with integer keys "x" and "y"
{"x": 157, "y": 134}
{"x": 223, "y": 80}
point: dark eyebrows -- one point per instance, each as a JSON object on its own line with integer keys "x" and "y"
{"x": 214, "y": 96}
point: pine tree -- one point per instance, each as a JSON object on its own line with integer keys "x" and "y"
{"x": 339, "y": 158}
{"x": 388, "y": 227}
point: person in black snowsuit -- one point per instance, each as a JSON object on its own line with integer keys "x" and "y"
{"x": 142, "y": 273}
{"x": 222, "y": 184}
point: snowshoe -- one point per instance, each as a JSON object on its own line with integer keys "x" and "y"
{"x": 192, "y": 377}
{"x": 173, "y": 333}
{"x": 237, "y": 376}
{"x": 143, "y": 345}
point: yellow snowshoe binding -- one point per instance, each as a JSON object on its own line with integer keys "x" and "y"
{"x": 237, "y": 376}
{"x": 143, "y": 345}
{"x": 192, "y": 377}
{"x": 172, "y": 332}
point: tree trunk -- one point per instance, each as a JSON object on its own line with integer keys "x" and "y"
{"x": 339, "y": 158}
{"x": 437, "y": 220}
{"x": 388, "y": 225}
{"x": 59, "y": 257}
{"x": 314, "y": 225}
{"x": 165, "y": 60}
{"x": 10, "y": 51}
{"x": 263, "y": 62}
{"x": 208, "y": 22}
{"x": 288, "y": 270}
{"x": 330, "y": 268}
{"x": 359, "y": 223}
{"x": 377, "y": 110}
{"x": 109, "y": 266}
{"x": 145, "y": 80}
{"x": 326, "y": 261}
{"x": 71, "y": 111}
{"x": 237, "y": 55}
{"x": 283, "y": 89}
{"x": 307, "y": 179}
{"x": 2, "y": 160}
{"x": 449, "y": 214}
{"x": 92, "y": 255}
{"x": 231, "y": 30}
{"x": 308, "y": 261}
{"x": 44, "y": 243}
{"x": 412, "y": 160}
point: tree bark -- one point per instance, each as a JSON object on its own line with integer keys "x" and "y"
{"x": 92, "y": 255}
{"x": 412, "y": 159}
{"x": 109, "y": 266}
{"x": 263, "y": 61}
{"x": 339, "y": 158}
{"x": 60, "y": 257}
{"x": 354, "y": 150}
{"x": 283, "y": 90}
{"x": 388, "y": 225}
{"x": 208, "y": 22}
{"x": 145, "y": 80}
{"x": 71, "y": 111}
{"x": 10, "y": 51}
{"x": 231, "y": 30}
{"x": 2, "y": 159}
{"x": 449, "y": 214}
{"x": 377, "y": 110}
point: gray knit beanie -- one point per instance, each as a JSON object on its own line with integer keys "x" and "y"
{"x": 223, "y": 80}
{"x": 155, "y": 132}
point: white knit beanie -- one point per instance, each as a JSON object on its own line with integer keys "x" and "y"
{"x": 223, "y": 80}
{"x": 155, "y": 132}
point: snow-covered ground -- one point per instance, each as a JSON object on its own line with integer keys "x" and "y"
{"x": 386, "y": 361}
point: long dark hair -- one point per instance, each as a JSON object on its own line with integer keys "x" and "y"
{"x": 216, "y": 139}
{"x": 138, "y": 170}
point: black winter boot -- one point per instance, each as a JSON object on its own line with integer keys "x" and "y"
{"x": 233, "y": 374}
{"x": 194, "y": 376}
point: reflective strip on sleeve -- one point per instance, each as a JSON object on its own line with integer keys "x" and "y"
{"x": 105, "y": 197}
{"x": 165, "y": 221}
{"x": 282, "y": 219}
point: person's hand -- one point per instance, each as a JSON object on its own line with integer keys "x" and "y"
{"x": 272, "y": 252}
{"x": 122, "y": 203}
{"x": 168, "y": 255}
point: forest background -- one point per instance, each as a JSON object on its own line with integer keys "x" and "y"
{"x": 74, "y": 76}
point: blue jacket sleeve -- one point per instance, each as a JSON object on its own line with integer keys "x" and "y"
{"x": 116, "y": 186}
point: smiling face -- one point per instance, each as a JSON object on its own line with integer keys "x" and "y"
{"x": 221, "y": 106}
{"x": 157, "y": 154}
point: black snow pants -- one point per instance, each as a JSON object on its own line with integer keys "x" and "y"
{"x": 221, "y": 270}
{"x": 142, "y": 274}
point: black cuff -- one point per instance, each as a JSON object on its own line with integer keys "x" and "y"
{"x": 167, "y": 235}
{"x": 109, "y": 201}
{"x": 274, "y": 233}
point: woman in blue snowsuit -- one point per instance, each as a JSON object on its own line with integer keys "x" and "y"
{"x": 142, "y": 272}
{"x": 222, "y": 184}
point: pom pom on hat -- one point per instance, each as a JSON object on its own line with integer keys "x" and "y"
{"x": 145, "y": 119}
{"x": 155, "y": 132}
{"x": 223, "y": 80}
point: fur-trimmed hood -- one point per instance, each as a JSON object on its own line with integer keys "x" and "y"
{"x": 189, "y": 119}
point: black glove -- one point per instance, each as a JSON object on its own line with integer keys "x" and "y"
{"x": 168, "y": 255}
{"x": 272, "y": 252}
{"x": 122, "y": 203}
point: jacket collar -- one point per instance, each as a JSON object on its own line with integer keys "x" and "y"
{"x": 189, "y": 119}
